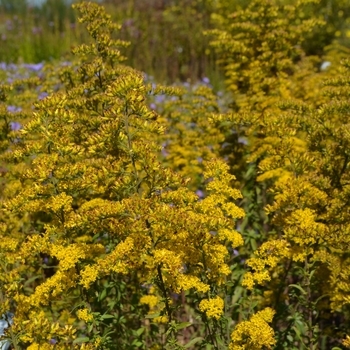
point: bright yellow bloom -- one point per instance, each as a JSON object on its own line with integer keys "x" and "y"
{"x": 254, "y": 334}
{"x": 346, "y": 341}
{"x": 150, "y": 300}
{"x": 213, "y": 308}
{"x": 84, "y": 314}
{"x": 88, "y": 275}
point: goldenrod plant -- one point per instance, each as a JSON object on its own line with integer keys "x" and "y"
{"x": 95, "y": 231}
{"x": 136, "y": 215}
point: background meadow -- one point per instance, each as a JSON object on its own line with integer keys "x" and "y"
{"x": 174, "y": 174}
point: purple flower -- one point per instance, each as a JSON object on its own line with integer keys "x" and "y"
{"x": 128, "y": 22}
{"x": 175, "y": 296}
{"x": 243, "y": 140}
{"x": 200, "y": 159}
{"x": 9, "y": 24}
{"x": 206, "y": 80}
{"x": 153, "y": 106}
{"x": 42, "y": 95}
{"x": 53, "y": 341}
{"x": 200, "y": 193}
{"x": 36, "y": 30}
{"x": 13, "y": 109}
{"x": 15, "y": 126}
{"x": 34, "y": 67}
{"x": 164, "y": 152}
{"x": 159, "y": 98}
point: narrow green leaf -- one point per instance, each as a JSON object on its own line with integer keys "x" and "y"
{"x": 153, "y": 315}
{"x": 183, "y": 325}
{"x": 253, "y": 244}
{"x": 219, "y": 340}
{"x": 298, "y": 287}
{"x": 136, "y": 343}
{"x": 81, "y": 340}
{"x": 193, "y": 341}
{"x": 140, "y": 331}
{"x": 32, "y": 279}
{"x": 103, "y": 317}
{"x": 103, "y": 295}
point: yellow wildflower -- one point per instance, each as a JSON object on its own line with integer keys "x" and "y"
{"x": 98, "y": 342}
{"x": 254, "y": 334}
{"x": 346, "y": 341}
{"x": 150, "y": 300}
{"x": 88, "y": 276}
{"x": 84, "y": 314}
{"x": 213, "y": 308}
{"x": 160, "y": 319}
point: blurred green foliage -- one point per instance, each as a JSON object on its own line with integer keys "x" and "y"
{"x": 166, "y": 36}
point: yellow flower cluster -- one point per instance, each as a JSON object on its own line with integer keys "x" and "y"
{"x": 254, "y": 334}
{"x": 267, "y": 257}
{"x": 213, "y": 307}
{"x": 156, "y": 305}
{"x": 85, "y": 315}
{"x": 346, "y": 341}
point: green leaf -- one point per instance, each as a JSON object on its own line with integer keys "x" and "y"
{"x": 137, "y": 343}
{"x": 81, "y": 340}
{"x": 183, "y": 325}
{"x": 193, "y": 341}
{"x": 219, "y": 339}
{"x": 140, "y": 331}
{"x": 32, "y": 279}
{"x": 102, "y": 295}
{"x": 153, "y": 315}
{"x": 298, "y": 287}
{"x": 104, "y": 317}
{"x": 253, "y": 244}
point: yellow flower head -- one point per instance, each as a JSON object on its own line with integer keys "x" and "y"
{"x": 346, "y": 341}
{"x": 254, "y": 334}
{"x": 212, "y": 307}
{"x": 84, "y": 314}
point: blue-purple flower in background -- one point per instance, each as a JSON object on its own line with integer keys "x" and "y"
{"x": 36, "y": 67}
{"x": 42, "y": 95}
{"x": 13, "y": 109}
{"x": 15, "y": 126}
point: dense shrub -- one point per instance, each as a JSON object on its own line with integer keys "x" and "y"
{"x": 141, "y": 216}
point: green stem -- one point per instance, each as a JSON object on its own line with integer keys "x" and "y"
{"x": 163, "y": 289}
{"x": 308, "y": 291}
